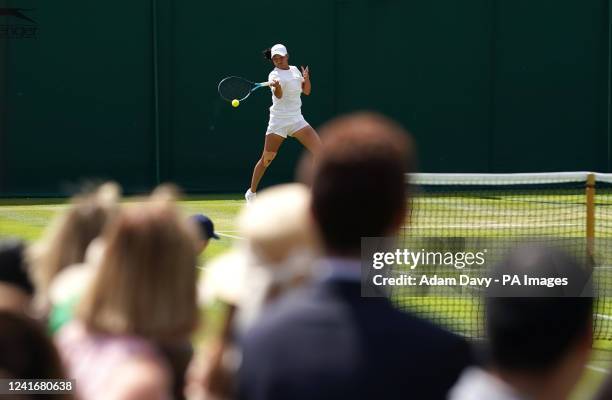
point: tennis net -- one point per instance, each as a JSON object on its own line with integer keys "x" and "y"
{"x": 547, "y": 206}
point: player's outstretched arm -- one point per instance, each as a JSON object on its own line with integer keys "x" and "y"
{"x": 306, "y": 87}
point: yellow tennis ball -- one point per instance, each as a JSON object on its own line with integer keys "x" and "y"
{"x": 235, "y": 103}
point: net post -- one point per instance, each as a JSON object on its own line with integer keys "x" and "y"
{"x": 590, "y": 215}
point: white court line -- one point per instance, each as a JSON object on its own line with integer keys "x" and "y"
{"x": 598, "y": 369}
{"x": 604, "y": 316}
{"x": 229, "y": 236}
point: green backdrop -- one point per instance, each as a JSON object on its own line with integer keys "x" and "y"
{"x": 127, "y": 90}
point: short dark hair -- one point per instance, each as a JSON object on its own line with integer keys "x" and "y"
{"x": 13, "y": 270}
{"x": 267, "y": 54}
{"x": 359, "y": 187}
{"x": 26, "y": 351}
{"x": 533, "y": 333}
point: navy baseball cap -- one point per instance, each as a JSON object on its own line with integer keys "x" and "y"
{"x": 207, "y": 229}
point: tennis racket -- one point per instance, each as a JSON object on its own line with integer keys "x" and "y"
{"x": 235, "y": 87}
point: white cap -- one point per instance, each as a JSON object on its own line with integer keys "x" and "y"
{"x": 278, "y": 49}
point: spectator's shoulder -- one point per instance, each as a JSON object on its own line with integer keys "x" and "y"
{"x": 281, "y": 314}
{"x": 433, "y": 338}
{"x": 141, "y": 378}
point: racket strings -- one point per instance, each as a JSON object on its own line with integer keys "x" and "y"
{"x": 235, "y": 88}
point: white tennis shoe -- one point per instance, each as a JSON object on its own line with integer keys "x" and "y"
{"x": 250, "y": 196}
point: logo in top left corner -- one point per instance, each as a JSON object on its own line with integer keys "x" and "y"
{"x": 18, "y": 23}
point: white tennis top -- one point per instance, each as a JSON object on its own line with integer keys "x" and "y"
{"x": 290, "y": 105}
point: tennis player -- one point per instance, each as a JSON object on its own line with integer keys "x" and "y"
{"x": 286, "y": 118}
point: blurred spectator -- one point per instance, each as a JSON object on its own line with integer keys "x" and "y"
{"x": 327, "y": 342}
{"x": 540, "y": 345}
{"x": 69, "y": 285}
{"x": 66, "y": 241}
{"x": 130, "y": 339}
{"x": 27, "y": 353}
{"x": 275, "y": 256}
{"x": 281, "y": 244}
{"x": 605, "y": 392}
{"x": 15, "y": 287}
{"x": 206, "y": 231}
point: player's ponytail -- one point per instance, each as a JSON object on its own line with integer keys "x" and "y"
{"x": 267, "y": 53}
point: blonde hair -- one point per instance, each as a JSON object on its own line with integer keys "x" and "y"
{"x": 66, "y": 240}
{"x": 146, "y": 282}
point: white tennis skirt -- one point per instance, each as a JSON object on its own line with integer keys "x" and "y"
{"x": 286, "y": 126}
